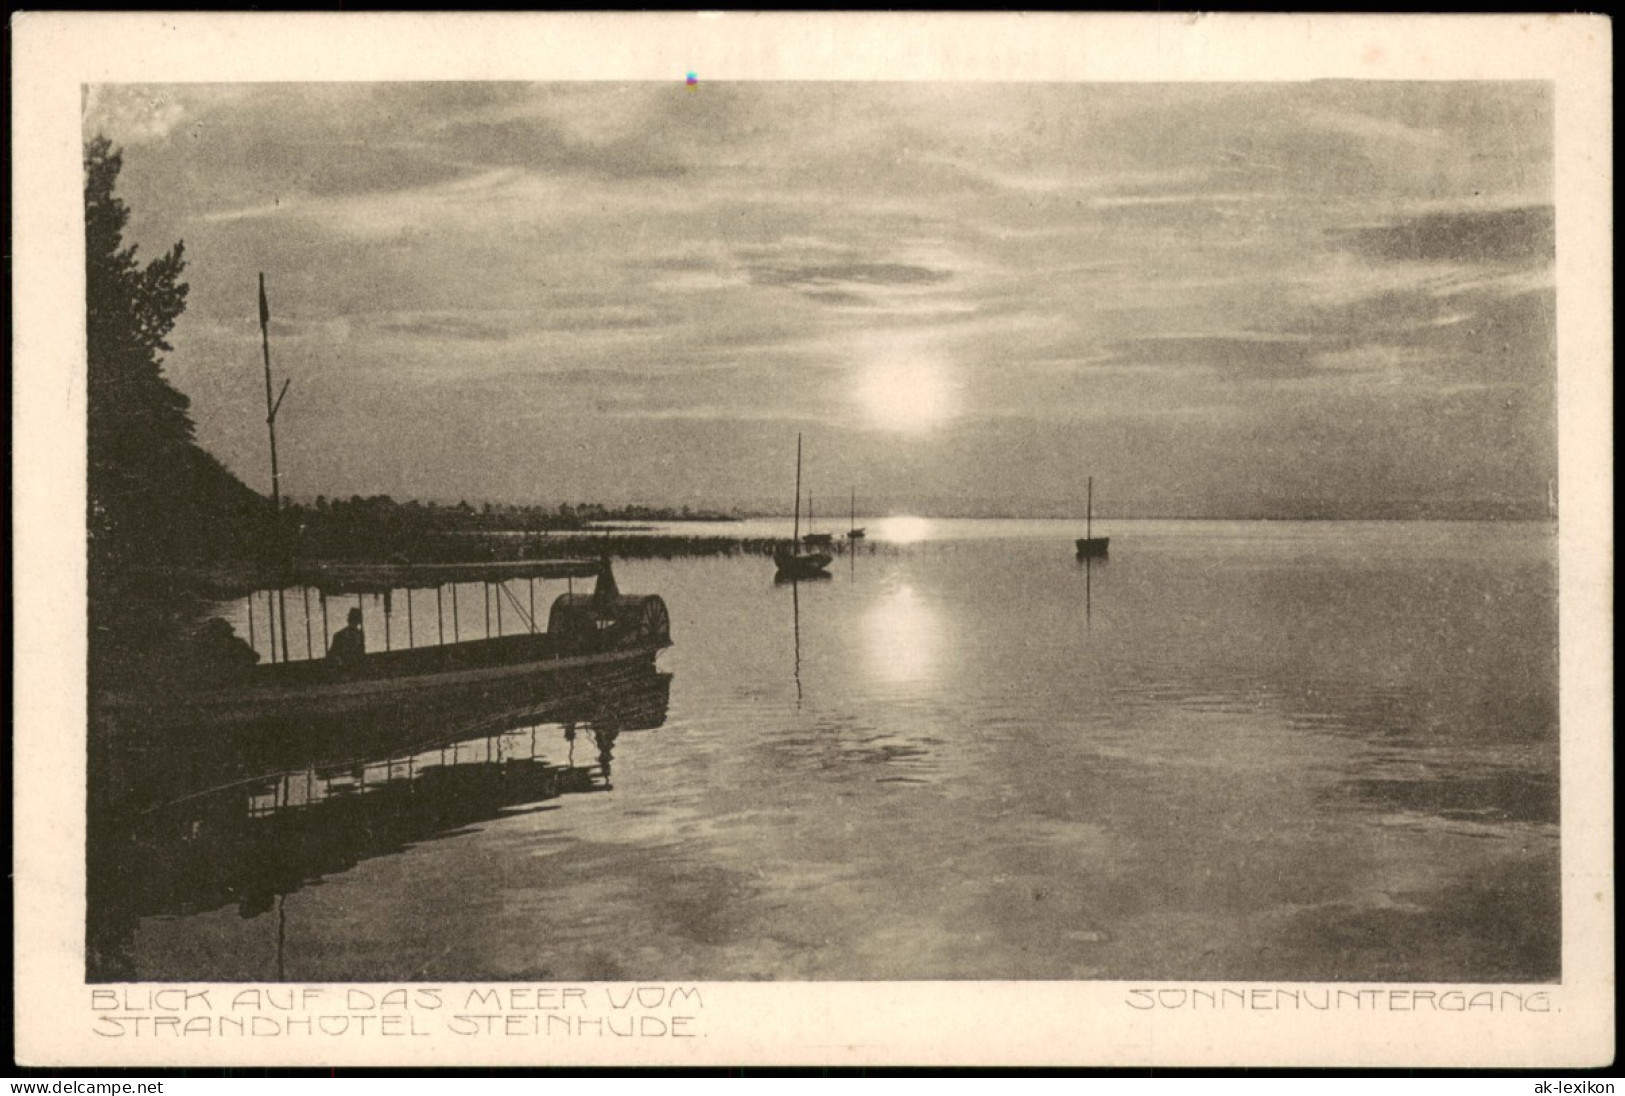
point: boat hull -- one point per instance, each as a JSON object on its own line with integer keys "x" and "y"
{"x": 802, "y": 564}
{"x": 1092, "y": 547}
{"x": 404, "y": 680}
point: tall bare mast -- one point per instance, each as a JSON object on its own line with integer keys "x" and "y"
{"x": 797, "y": 538}
{"x": 270, "y": 425}
{"x": 1089, "y": 520}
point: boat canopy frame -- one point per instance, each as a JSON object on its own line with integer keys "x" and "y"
{"x": 335, "y": 580}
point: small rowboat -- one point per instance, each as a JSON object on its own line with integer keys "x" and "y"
{"x": 585, "y": 632}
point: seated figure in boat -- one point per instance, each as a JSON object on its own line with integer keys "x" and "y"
{"x": 218, "y": 652}
{"x": 349, "y": 645}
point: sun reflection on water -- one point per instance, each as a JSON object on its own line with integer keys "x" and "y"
{"x": 904, "y": 637}
{"x": 905, "y": 529}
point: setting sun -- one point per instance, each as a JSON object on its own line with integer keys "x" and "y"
{"x": 910, "y": 397}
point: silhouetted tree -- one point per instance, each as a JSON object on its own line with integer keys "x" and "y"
{"x": 157, "y": 505}
{"x": 138, "y": 423}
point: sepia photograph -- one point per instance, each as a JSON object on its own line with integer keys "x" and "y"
{"x": 576, "y": 534}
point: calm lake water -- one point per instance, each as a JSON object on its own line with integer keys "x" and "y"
{"x": 1236, "y": 750}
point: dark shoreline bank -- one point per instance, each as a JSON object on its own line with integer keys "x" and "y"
{"x": 231, "y": 580}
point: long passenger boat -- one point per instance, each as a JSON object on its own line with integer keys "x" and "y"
{"x": 586, "y": 632}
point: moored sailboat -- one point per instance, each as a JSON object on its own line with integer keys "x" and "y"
{"x": 812, "y": 539}
{"x": 793, "y": 562}
{"x": 1089, "y": 545}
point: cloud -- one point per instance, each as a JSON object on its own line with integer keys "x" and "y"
{"x": 448, "y": 327}
{"x": 356, "y": 168}
{"x": 1375, "y": 129}
{"x": 1495, "y": 337}
{"x": 826, "y": 276}
{"x": 537, "y": 144}
{"x": 842, "y": 282}
{"x": 731, "y": 258}
{"x": 1129, "y": 201}
{"x": 1248, "y": 355}
{"x": 839, "y": 297}
{"x": 874, "y": 274}
{"x": 1510, "y": 328}
{"x": 137, "y": 114}
{"x": 1524, "y": 236}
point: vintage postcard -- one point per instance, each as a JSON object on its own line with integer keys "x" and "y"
{"x": 813, "y": 539}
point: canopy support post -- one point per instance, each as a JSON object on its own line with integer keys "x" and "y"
{"x": 270, "y": 624}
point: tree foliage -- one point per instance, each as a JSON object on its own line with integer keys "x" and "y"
{"x": 138, "y": 426}
{"x": 157, "y": 504}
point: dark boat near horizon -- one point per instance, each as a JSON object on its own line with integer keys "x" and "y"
{"x": 791, "y": 562}
{"x": 1089, "y": 545}
{"x": 856, "y": 531}
{"x": 811, "y": 539}
{"x": 586, "y": 632}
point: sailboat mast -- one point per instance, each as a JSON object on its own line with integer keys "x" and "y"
{"x": 853, "y": 524}
{"x": 797, "y": 537}
{"x": 276, "y": 479}
{"x": 1089, "y": 522}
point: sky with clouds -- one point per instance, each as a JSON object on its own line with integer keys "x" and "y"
{"x": 1231, "y": 300}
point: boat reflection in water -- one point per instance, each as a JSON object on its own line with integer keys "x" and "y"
{"x": 173, "y": 846}
{"x": 1087, "y": 564}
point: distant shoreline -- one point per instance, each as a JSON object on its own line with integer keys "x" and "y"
{"x": 871, "y": 518}
{"x": 541, "y": 518}
{"x": 645, "y": 542}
